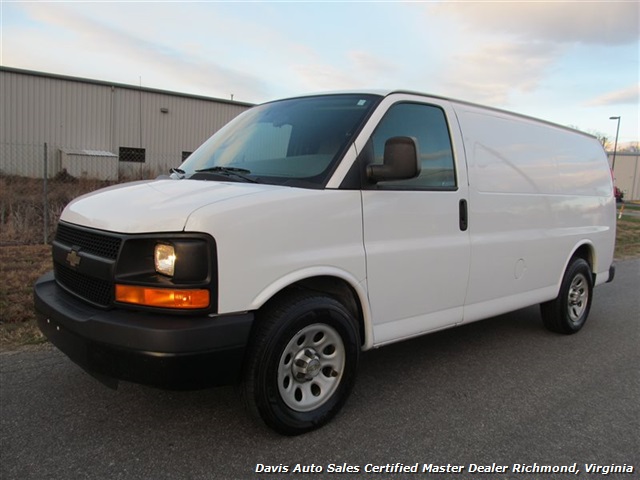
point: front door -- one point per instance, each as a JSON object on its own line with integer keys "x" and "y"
{"x": 417, "y": 247}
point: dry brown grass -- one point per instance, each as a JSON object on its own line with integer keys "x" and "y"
{"x": 22, "y": 206}
{"x": 628, "y": 238}
{"x": 19, "y": 269}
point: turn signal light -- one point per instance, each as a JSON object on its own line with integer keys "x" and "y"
{"x": 162, "y": 297}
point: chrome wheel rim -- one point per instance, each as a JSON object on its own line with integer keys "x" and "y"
{"x": 311, "y": 367}
{"x": 578, "y": 298}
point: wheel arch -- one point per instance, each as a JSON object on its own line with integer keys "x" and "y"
{"x": 584, "y": 250}
{"x": 334, "y": 283}
{"x": 587, "y": 252}
{"x": 568, "y": 311}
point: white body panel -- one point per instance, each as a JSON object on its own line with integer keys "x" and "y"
{"x": 285, "y": 236}
{"x": 535, "y": 192}
{"x": 415, "y": 249}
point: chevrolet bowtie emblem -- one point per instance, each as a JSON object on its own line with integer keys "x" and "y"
{"x": 73, "y": 258}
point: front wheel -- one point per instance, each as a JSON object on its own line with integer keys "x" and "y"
{"x": 302, "y": 362}
{"x": 568, "y": 312}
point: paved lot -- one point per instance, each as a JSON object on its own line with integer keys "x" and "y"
{"x": 503, "y": 390}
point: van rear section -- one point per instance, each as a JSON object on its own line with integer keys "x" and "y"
{"x": 539, "y": 196}
{"x": 313, "y": 228}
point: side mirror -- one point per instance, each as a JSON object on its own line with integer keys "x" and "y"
{"x": 400, "y": 161}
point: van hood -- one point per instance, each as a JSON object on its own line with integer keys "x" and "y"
{"x": 155, "y": 206}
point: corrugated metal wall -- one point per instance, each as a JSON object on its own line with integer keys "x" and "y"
{"x": 71, "y": 113}
{"x": 627, "y": 173}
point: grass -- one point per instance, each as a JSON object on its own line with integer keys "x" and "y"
{"x": 22, "y": 205}
{"x": 21, "y": 265}
{"x": 628, "y": 238}
{"x": 19, "y": 269}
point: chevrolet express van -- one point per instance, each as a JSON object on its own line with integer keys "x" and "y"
{"x": 311, "y": 229}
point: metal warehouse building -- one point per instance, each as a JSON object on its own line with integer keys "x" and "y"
{"x": 626, "y": 172}
{"x": 97, "y": 129}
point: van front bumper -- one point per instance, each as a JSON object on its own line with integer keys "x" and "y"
{"x": 167, "y": 351}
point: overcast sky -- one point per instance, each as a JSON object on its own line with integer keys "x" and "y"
{"x": 573, "y": 63}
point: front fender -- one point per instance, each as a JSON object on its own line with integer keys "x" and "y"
{"x": 292, "y": 278}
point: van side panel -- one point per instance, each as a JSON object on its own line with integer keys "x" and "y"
{"x": 537, "y": 192}
{"x": 273, "y": 240}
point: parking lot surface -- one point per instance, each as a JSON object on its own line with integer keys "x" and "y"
{"x": 501, "y": 392}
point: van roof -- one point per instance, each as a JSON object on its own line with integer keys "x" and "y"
{"x": 388, "y": 92}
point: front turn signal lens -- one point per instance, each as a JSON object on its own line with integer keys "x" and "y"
{"x": 162, "y": 297}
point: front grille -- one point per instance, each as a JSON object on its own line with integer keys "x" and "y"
{"x": 99, "y": 244}
{"x": 87, "y": 278}
{"x": 91, "y": 289}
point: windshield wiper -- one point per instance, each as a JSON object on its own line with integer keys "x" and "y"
{"x": 218, "y": 168}
{"x": 235, "y": 171}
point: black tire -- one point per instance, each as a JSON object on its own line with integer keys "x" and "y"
{"x": 568, "y": 312}
{"x": 301, "y": 363}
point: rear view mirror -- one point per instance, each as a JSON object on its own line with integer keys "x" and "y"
{"x": 400, "y": 161}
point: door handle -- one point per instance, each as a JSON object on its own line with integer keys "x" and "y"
{"x": 463, "y": 215}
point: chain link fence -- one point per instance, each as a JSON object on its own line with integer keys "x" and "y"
{"x": 38, "y": 180}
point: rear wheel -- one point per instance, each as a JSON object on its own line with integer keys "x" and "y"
{"x": 302, "y": 362}
{"x": 569, "y": 311}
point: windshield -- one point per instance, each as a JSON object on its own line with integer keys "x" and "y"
{"x": 294, "y": 142}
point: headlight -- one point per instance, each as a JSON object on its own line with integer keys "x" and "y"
{"x": 165, "y": 259}
{"x": 169, "y": 270}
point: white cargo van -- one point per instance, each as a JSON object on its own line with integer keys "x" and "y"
{"x": 310, "y": 229}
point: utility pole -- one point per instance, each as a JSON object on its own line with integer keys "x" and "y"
{"x": 615, "y": 147}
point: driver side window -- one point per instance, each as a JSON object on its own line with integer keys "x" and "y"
{"x": 428, "y": 125}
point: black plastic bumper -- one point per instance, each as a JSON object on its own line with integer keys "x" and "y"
{"x": 172, "y": 351}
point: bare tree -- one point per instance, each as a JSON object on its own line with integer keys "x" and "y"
{"x": 602, "y": 138}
